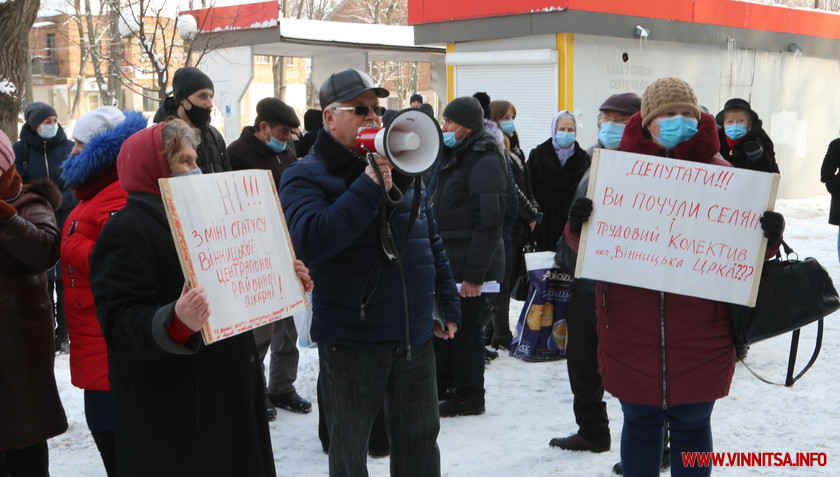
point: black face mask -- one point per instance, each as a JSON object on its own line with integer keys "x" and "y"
{"x": 197, "y": 115}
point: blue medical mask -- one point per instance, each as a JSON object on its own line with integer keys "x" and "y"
{"x": 508, "y": 127}
{"x": 449, "y": 139}
{"x": 610, "y": 134}
{"x": 48, "y": 131}
{"x": 735, "y": 131}
{"x": 276, "y": 145}
{"x": 194, "y": 172}
{"x": 675, "y": 130}
{"x": 564, "y": 139}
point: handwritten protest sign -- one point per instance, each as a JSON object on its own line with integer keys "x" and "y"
{"x": 232, "y": 240}
{"x": 676, "y": 226}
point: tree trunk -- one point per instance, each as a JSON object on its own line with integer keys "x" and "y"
{"x": 16, "y": 19}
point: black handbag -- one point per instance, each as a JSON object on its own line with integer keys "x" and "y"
{"x": 519, "y": 289}
{"x": 792, "y": 293}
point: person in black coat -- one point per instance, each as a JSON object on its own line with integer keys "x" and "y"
{"x": 743, "y": 142}
{"x": 192, "y": 102}
{"x": 180, "y": 407}
{"x": 42, "y": 147}
{"x": 555, "y": 168}
{"x": 830, "y": 175}
{"x": 313, "y": 122}
{"x": 267, "y": 145}
{"x": 469, "y": 191}
{"x": 503, "y": 113}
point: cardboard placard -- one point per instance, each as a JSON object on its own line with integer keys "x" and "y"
{"x": 676, "y": 226}
{"x": 232, "y": 240}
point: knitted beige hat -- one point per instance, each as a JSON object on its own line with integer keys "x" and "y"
{"x": 667, "y": 94}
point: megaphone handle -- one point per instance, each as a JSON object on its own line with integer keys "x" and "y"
{"x": 386, "y": 194}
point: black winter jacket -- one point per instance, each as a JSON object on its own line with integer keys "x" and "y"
{"x": 829, "y": 175}
{"x": 754, "y": 152}
{"x": 469, "y": 195}
{"x": 251, "y": 152}
{"x": 211, "y": 152}
{"x": 181, "y": 409}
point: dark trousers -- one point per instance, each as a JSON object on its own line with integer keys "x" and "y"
{"x": 32, "y": 461}
{"x": 355, "y": 381}
{"x": 582, "y": 363}
{"x": 461, "y": 360}
{"x": 281, "y": 337}
{"x": 378, "y": 441}
{"x": 643, "y": 434}
{"x": 100, "y": 420}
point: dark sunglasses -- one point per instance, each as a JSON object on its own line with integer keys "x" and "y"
{"x": 363, "y": 110}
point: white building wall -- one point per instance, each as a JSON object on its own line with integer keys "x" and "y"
{"x": 794, "y": 95}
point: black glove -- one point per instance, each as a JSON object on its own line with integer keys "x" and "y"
{"x": 832, "y": 185}
{"x": 753, "y": 149}
{"x": 773, "y": 225}
{"x": 579, "y": 212}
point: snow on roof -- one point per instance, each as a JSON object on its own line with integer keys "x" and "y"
{"x": 367, "y": 33}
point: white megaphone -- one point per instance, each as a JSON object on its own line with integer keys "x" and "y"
{"x": 411, "y": 142}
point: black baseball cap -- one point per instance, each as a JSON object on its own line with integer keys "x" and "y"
{"x": 346, "y": 85}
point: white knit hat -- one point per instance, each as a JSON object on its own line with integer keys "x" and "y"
{"x": 96, "y": 122}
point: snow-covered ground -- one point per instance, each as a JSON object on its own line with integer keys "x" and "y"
{"x": 529, "y": 403}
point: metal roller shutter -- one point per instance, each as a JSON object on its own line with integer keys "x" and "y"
{"x": 532, "y": 88}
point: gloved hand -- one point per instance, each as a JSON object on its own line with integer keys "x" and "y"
{"x": 579, "y": 213}
{"x": 753, "y": 149}
{"x": 773, "y": 225}
{"x": 832, "y": 185}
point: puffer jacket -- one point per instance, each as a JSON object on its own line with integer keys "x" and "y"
{"x": 470, "y": 188}
{"x": 38, "y": 158}
{"x": 30, "y": 408}
{"x": 333, "y": 211}
{"x": 661, "y": 348}
{"x": 93, "y": 175}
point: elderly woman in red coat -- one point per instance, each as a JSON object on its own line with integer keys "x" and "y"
{"x": 91, "y": 172}
{"x": 666, "y": 357}
{"x": 30, "y": 409}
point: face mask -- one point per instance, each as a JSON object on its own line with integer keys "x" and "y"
{"x": 565, "y": 139}
{"x": 507, "y": 127}
{"x": 48, "y": 131}
{"x": 610, "y": 134}
{"x": 197, "y": 115}
{"x": 194, "y": 172}
{"x": 675, "y": 130}
{"x": 735, "y": 131}
{"x": 276, "y": 145}
{"x": 449, "y": 139}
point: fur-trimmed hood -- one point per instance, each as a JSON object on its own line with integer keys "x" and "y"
{"x": 703, "y": 147}
{"x": 101, "y": 152}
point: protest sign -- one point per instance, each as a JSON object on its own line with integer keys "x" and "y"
{"x": 232, "y": 240}
{"x": 676, "y": 226}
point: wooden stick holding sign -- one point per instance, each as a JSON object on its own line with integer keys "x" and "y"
{"x": 232, "y": 240}
{"x": 676, "y": 226}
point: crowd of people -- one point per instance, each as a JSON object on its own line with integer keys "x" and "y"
{"x": 396, "y": 264}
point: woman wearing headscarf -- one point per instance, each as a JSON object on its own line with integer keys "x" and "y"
{"x": 555, "y": 168}
{"x": 91, "y": 171}
{"x": 180, "y": 407}
{"x": 30, "y": 408}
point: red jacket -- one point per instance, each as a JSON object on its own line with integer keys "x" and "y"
{"x": 697, "y": 360}
{"x": 88, "y": 354}
{"x": 93, "y": 175}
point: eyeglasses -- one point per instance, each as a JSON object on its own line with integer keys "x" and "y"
{"x": 363, "y": 110}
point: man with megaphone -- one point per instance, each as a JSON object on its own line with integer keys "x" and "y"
{"x": 379, "y": 264}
